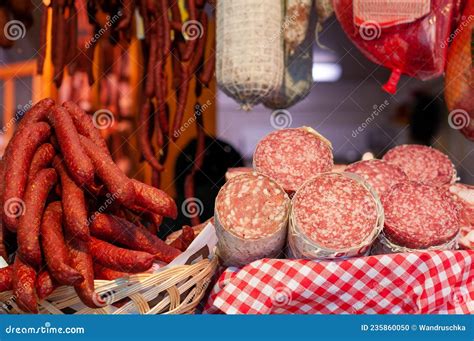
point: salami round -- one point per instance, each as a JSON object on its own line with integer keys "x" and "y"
{"x": 381, "y": 175}
{"x": 419, "y": 216}
{"x": 292, "y": 156}
{"x": 251, "y": 216}
{"x": 422, "y": 164}
{"x": 334, "y": 215}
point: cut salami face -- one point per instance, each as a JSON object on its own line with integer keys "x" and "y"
{"x": 381, "y": 175}
{"x": 422, "y": 164}
{"x": 464, "y": 196}
{"x": 236, "y": 171}
{"x": 251, "y": 216}
{"x": 419, "y": 216}
{"x": 292, "y": 156}
{"x": 334, "y": 215}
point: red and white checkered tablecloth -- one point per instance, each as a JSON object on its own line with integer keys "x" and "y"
{"x": 438, "y": 282}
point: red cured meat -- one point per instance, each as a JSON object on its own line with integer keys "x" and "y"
{"x": 292, "y": 156}
{"x": 422, "y": 164}
{"x": 419, "y": 216}
{"x": 417, "y": 48}
{"x": 381, "y": 175}
{"x": 335, "y": 211}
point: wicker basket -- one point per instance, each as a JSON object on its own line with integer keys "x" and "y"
{"x": 177, "y": 290}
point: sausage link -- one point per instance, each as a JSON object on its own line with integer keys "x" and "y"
{"x": 85, "y": 125}
{"x": 151, "y": 199}
{"x": 143, "y": 138}
{"x": 101, "y": 272}
{"x": 81, "y": 260}
{"x": 77, "y": 162}
{"x": 37, "y": 113}
{"x": 112, "y": 176}
{"x": 3, "y": 249}
{"x": 54, "y": 247}
{"x": 117, "y": 230}
{"x": 6, "y": 275}
{"x": 74, "y": 203}
{"x": 30, "y": 222}
{"x": 24, "y": 282}
{"x": 184, "y": 239}
{"x": 118, "y": 258}
{"x": 22, "y": 148}
{"x": 42, "y": 159}
{"x": 45, "y": 285}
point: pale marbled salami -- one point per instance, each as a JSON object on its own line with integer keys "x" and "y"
{"x": 251, "y": 216}
{"x": 419, "y": 216}
{"x": 336, "y": 211}
{"x": 381, "y": 175}
{"x": 422, "y": 164}
{"x": 292, "y": 156}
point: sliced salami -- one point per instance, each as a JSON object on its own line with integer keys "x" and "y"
{"x": 251, "y": 216}
{"x": 292, "y": 156}
{"x": 381, "y": 175}
{"x": 334, "y": 215}
{"x": 423, "y": 164}
{"x": 464, "y": 196}
{"x": 420, "y": 216}
{"x": 236, "y": 171}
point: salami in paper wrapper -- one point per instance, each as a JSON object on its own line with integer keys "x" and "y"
{"x": 251, "y": 218}
{"x": 334, "y": 215}
{"x": 384, "y": 246}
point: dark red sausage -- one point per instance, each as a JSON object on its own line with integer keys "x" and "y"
{"x": 30, "y": 222}
{"x": 22, "y": 148}
{"x": 6, "y": 275}
{"x": 3, "y": 250}
{"x": 37, "y": 113}
{"x": 81, "y": 260}
{"x": 85, "y": 126}
{"x": 54, "y": 247}
{"x": 143, "y": 137}
{"x": 184, "y": 239}
{"x": 74, "y": 203}
{"x": 77, "y": 162}
{"x": 24, "y": 282}
{"x": 117, "y": 230}
{"x": 153, "y": 200}
{"x": 42, "y": 159}
{"x": 119, "y": 259}
{"x": 114, "y": 179}
{"x": 101, "y": 272}
{"x": 45, "y": 285}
